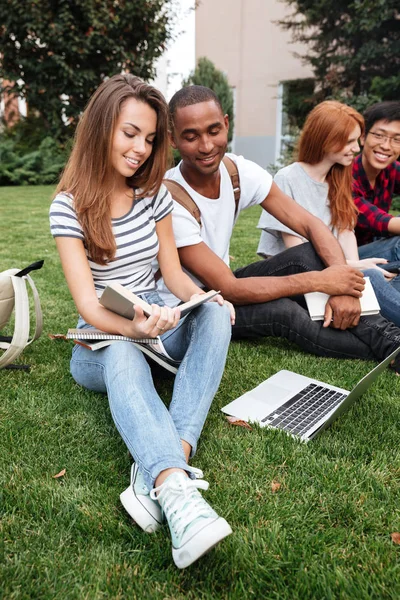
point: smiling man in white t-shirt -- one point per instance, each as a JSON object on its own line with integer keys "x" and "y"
{"x": 267, "y": 294}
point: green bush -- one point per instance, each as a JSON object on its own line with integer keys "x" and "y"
{"x": 32, "y": 167}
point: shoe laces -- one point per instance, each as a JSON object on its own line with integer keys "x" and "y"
{"x": 181, "y": 501}
{"x": 142, "y": 487}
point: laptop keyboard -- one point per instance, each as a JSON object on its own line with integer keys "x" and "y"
{"x": 303, "y": 410}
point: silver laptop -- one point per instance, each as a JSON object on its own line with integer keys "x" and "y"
{"x": 301, "y": 406}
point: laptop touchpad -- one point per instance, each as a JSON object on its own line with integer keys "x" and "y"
{"x": 270, "y": 393}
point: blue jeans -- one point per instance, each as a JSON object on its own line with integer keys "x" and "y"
{"x": 374, "y": 338}
{"x": 384, "y": 247}
{"x": 387, "y": 294}
{"x": 152, "y": 432}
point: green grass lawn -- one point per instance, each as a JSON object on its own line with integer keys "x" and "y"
{"x": 325, "y": 533}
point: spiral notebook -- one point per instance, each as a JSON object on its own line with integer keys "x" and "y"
{"x": 153, "y": 348}
{"x": 98, "y": 334}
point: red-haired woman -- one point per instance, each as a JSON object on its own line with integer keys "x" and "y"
{"x": 321, "y": 182}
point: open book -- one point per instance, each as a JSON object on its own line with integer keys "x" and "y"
{"x": 95, "y": 339}
{"x": 122, "y": 301}
{"x": 316, "y": 302}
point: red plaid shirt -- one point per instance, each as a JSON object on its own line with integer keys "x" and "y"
{"x": 374, "y": 203}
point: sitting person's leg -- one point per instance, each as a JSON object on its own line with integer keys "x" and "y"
{"x": 385, "y": 247}
{"x": 295, "y": 260}
{"x": 387, "y": 294}
{"x": 304, "y": 258}
{"x": 141, "y": 417}
{"x": 201, "y": 342}
{"x": 395, "y": 283}
{"x": 374, "y": 338}
{"x": 149, "y": 431}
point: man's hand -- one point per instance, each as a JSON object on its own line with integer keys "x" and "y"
{"x": 341, "y": 280}
{"x": 342, "y": 312}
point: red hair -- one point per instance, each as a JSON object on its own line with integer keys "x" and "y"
{"x": 327, "y": 129}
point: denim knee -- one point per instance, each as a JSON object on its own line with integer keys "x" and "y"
{"x": 376, "y": 276}
{"x": 218, "y": 319}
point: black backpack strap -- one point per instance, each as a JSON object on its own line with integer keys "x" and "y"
{"x": 33, "y": 267}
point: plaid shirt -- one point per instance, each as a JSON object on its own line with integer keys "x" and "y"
{"x": 374, "y": 203}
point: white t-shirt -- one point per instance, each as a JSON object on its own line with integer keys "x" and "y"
{"x": 310, "y": 194}
{"x": 135, "y": 236}
{"x": 217, "y": 215}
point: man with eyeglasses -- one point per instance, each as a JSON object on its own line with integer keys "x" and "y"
{"x": 376, "y": 180}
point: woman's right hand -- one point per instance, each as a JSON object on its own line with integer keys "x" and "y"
{"x": 162, "y": 319}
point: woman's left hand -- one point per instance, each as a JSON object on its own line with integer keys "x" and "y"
{"x": 232, "y": 311}
{"x": 221, "y": 301}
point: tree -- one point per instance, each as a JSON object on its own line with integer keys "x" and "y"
{"x": 55, "y": 53}
{"x": 208, "y": 75}
{"x": 354, "y": 47}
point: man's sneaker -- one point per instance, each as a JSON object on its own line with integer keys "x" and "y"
{"x": 195, "y": 527}
{"x": 138, "y": 504}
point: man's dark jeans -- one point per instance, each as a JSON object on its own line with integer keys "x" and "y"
{"x": 374, "y": 338}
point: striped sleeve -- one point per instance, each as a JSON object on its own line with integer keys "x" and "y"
{"x": 63, "y": 220}
{"x": 162, "y": 203}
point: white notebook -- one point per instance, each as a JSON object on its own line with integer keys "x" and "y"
{"x": 316, "y": 302}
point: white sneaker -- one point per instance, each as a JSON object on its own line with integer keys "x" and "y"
{"x": 136, "y": 500}
{"x": 195, "y": 527}
{"x": 198, "y": 473}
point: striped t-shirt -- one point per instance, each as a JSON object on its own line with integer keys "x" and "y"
{"x": 135, "y": 235}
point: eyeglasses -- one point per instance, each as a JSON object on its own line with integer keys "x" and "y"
{"x": 393, "y": 140}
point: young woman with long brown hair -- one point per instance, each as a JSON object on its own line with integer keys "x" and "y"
{"x": 111, "y": 217}
{"x": 320, "y": 181}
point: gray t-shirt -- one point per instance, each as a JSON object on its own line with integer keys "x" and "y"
{"x": 310, "y": 194}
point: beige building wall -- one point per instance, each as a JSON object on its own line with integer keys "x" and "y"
{"x": 242, "y": 39}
